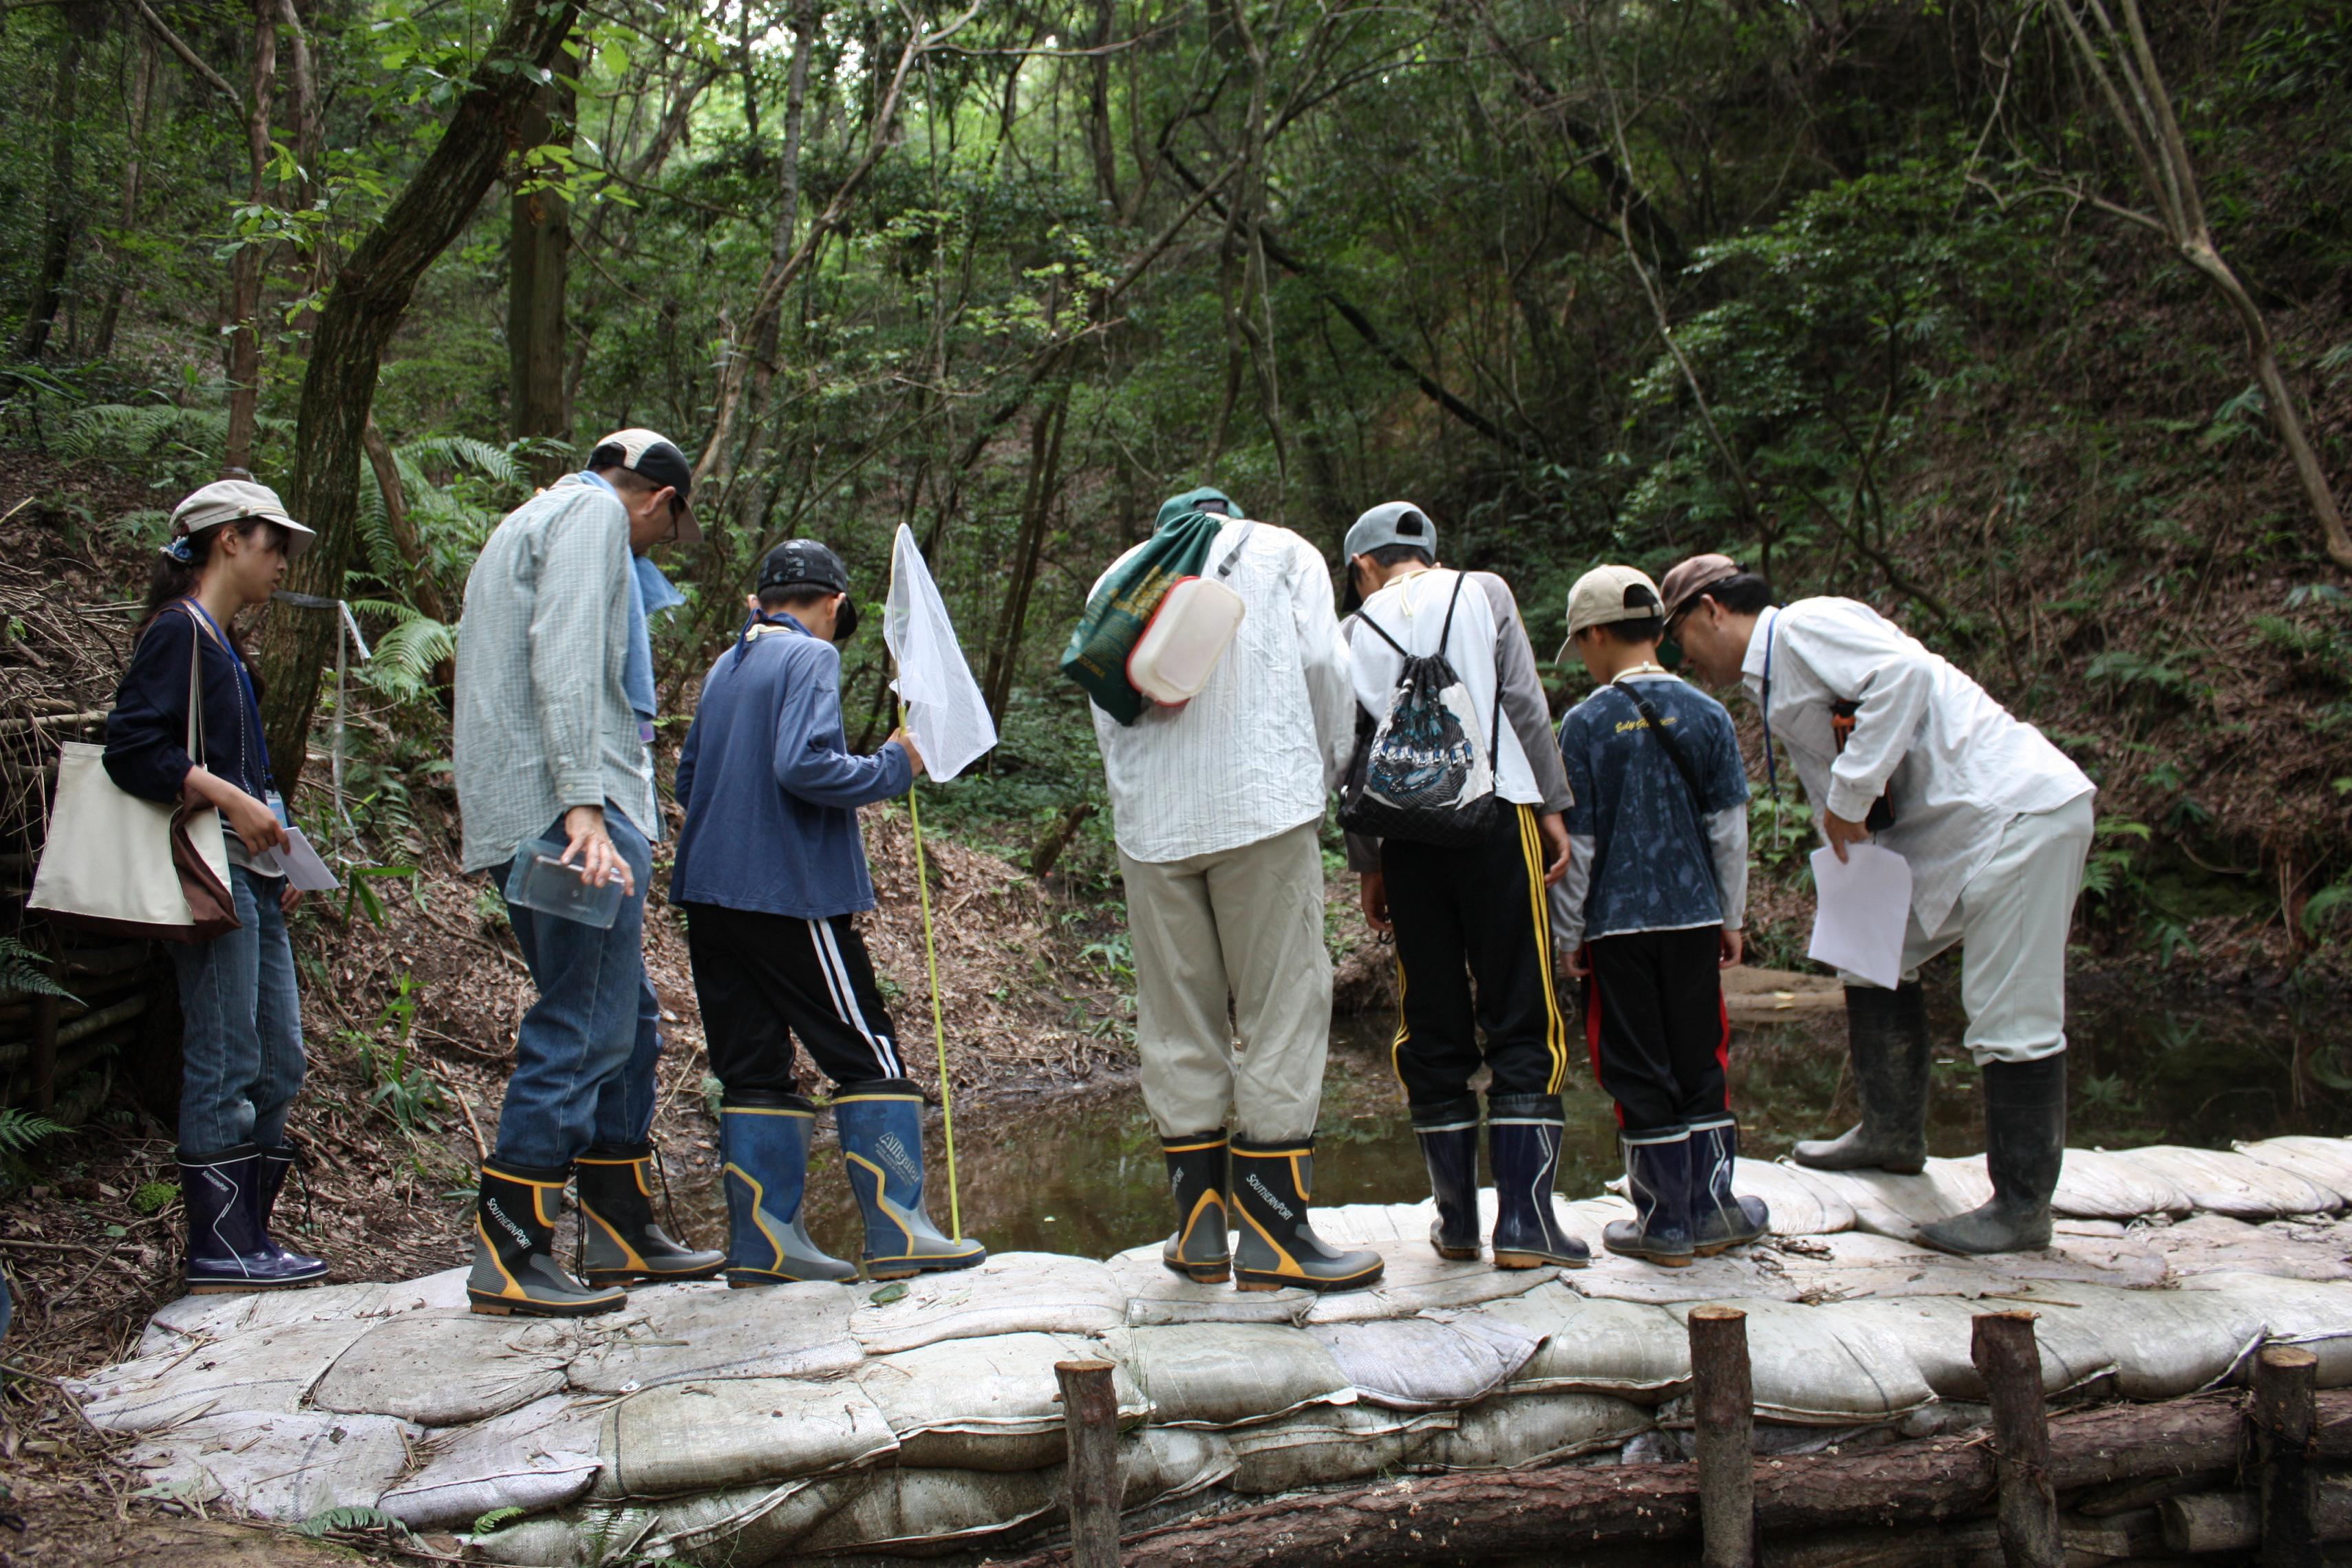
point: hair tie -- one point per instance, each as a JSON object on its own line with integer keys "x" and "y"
{"x": 178, "y": 550}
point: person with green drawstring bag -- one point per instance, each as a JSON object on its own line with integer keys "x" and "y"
{"x": 1120, "y": 607}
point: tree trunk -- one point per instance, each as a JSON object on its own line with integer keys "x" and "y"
{"x": 538, "y": 250}
{"x": 143, "y": 96}
{"x": 61, "y": 222}
{"x": 362, "y": 310}
{"x": 1044, "y": 485}
{"x": 245, "y": 267}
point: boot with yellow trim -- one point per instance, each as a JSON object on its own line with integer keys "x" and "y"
{"x": 619, "y": 1242}
{"x": 881, "y": 1128}
{"x": 515, "y": 1270}
{"x": 766, "y": 1140}
{"x": 1273, "y": 1183}
{"x": 1196, "y": 1180}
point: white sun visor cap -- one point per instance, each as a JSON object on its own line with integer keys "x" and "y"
{"x": 233, "y": 501}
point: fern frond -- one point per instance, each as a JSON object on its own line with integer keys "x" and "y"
{"x": 20, "y": 1129}
{"x": 319, "y": 1524}
{"x": 404, "y": 657}
{"x": 463, "y": 451}
{"x": 21, "y": 971}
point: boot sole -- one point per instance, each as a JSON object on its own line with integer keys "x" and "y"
{"x": 1539, "y": 1260}
{"x": 1664, "y": 1260}
{"x": 1243, "y": 1280}
{"x": 247, "y": 1287}
{"x": 1892, "y": 1167}
{"x": 1717, "y": 1248}
{"x": 625, "y": 1277}
{"x": 735, "y": 1284}
{"x": 498, "y": 1307}
{"x": 1457, "y": 1254}
{"x": 900, "y": 1271}
{"x": 1200, "y": 1273}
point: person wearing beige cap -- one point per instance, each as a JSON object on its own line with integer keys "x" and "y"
{"x": 1896, "y": 745}
{"x": 552, "y": 732}
{"x": 1652, "y": 907}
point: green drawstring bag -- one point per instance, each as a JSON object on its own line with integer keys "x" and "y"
{"x": 1118, "y": 610}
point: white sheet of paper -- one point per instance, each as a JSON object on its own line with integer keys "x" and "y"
{"x": 298, "y": 862}
{"x": 1863, "y": 909}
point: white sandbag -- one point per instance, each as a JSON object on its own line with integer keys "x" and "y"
{"x": 1861, "y": 1263}
{"x": 2233, "y": 1184}
{"x": 1630, "y": 1349}
{"x": 1753, "y": 1270}
{"x": 1379, "y": 1226}
{"x": 1416, "y": 1280}
{"x": 264, "y": 1372}
{"x": 448, "y": 1367}
{"x": 697, "y": 1436}
{"x": 2170, "y": 1343}
{"x": 1162, "y": 1463}
{"x": 587, "y": 1534}
{"x": 2215, "y": 1243}
{"x": 1799, "y": 1204}
{"x": 679, "y": 1332}
{"x": 1937, "y": 1335}
{"x": 991, "y": 1403}
{"x": 1326, "y": 1443}
{"x": 1520, "y": 1430}
{"x": 1155, "y": 1294}
{"x": 178, "y": 1324}
{"x": 1012, "y": 1292}
{"x": 283, "y": 1467}
{"x": 2313, "y": 1314}
{"x": 744, "y": 1525}
{"x": 926, "y": 1511}
{"x": 2323, "y": 1162}
{"x": 2095, "y": 1184}
{"x": 1897, "y": 1205}
{"x": 535, "y": 1458}
{"x": 1432, "y": 1363}
{"x": 1810, "y": 1371}
{"x": 1228, "y": 1374}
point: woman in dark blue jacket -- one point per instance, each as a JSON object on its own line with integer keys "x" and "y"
{"x": 243, "y": 1032}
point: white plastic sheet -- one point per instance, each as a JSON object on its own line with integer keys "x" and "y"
{"x": 1862, "y": 913}
{"x": 944, "y": 708}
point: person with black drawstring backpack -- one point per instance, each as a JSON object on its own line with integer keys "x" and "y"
{"x": 1651, "y": 910}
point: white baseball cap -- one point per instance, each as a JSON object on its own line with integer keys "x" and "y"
{"x": 233, "y": 501}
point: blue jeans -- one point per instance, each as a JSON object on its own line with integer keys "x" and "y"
{"x": 584, "y": 1054}
{"x": 242, "y": 1036}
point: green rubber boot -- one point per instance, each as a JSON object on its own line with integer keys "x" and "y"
{"x": 2025, "y": 1147}
{"x": 1886, "y": 1035}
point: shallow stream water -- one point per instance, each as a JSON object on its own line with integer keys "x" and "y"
{"x": 1080, "y": 1171}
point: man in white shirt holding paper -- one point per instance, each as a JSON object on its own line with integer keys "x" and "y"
{"x": 1896, "y": 745}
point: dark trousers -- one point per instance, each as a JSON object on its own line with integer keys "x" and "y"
{"x": 763, "y": 979}
{"x": 1473, "y": 952}
{"x": 1655, "y": 1019}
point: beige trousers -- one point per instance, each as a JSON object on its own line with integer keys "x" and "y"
{"x": 1246, "y": 923}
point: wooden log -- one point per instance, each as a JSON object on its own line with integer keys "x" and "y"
{"x": 1723, "y": 1408}
{"x": 1090, "y": 1416}
{"x": 2281, "y": 1414}
{"x": 105, "y": 1017}
{"x": 1554, "y": 1512}
{"x": 2005, "y": 1354}
{"x": 2208, "y": 1521}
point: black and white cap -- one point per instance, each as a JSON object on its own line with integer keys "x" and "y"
{"x": 795, "y": 562}
{"x": 655, "y": 457}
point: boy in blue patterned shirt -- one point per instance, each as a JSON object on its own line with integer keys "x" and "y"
{"x": 1651, "y": 908}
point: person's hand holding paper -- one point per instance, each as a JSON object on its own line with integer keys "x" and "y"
{"x": 1862, "y": 909}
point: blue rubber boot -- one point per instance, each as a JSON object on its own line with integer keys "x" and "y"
{"x": 766, "y": 1140}
{"x": 1523, "y": 1138}
{"x": 1658, "y": 1179}
{"x": 226, "y": 1249}
{"x": 277, "y": 1163}
{"x": 1448, "y": 1132}
{"x": 881, "y": 1128}
{"x": 1720, "y": 1218}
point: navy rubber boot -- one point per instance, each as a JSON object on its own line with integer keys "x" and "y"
{"x": 277, "y": 1163}
{"x": 1448, "y": 1132}
{"x": 1199, "y": 1249}
{"x": 766, "y": 1141}
{"x": 1658, "y": 1180}
{"x": 1720, "y": 1218}
{"x": 881, "y": 1129}
{"x": 619, "y": 1242}
{"x": 226, "y": 1249}
{"x": 1523, "y": 1139}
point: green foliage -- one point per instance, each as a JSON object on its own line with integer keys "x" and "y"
{"x": 350, "y": 1520}
{"x": 22, "y": 973}
{"x": 401, "y": 1085}
{"x": 154, "y": 1197}
{"x": 497, "y": 1519}
{"x": 20, "y": 1129}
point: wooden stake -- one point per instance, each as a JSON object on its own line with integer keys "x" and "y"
{"x": 1091, "y": 1415}
{"x": 2010, "y": 1363}
{"x": 1723, "y": 1402}
{"x": 2286, "y": 1378}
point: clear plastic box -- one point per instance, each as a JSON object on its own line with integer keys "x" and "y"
{"x": 540, "y": 881}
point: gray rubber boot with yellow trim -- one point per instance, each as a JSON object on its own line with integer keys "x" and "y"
{"x": 619, "y": 1242}
{"x": 1199, "y": 1249}
{"x": 881, "y": 1128}
{"x": 1273, "y": 1185}
{"x": 515, "y": 1270}
{"x": 766, "y": 1140}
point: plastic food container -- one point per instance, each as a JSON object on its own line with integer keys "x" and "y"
{"x": 540, "y": 881}
{"x": 1195, "y": 623}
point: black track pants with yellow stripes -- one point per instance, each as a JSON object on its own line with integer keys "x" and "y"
{"x": 1474, "y": 956}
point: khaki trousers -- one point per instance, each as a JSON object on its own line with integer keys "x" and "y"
{"x": 1246, "y": 923}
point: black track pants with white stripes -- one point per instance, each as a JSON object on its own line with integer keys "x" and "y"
{"x": 765, "y": 978}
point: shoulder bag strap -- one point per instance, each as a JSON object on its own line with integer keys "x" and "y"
{"x": 1236, "y": 553}
{"x": 1675, "y": 753}
{"x": 195, "y": 690}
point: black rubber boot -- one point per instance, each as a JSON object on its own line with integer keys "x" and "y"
{"x": 276, "y": 1163}
{"x": 515, "y": 1270}
{"x": 619, "y": 1242}
{"x": 1720, "y": 1218}
{"x": 1658, "y": 1180}
{"x": 2025, "y": 1147}
{"x": 1448, "y": 1132}
{"x": 1199, "y": 1249}
{"x": 1523, "y": 1138}
{"x": 1273, "y": 1185}
{"x": 1886, "y": 1035}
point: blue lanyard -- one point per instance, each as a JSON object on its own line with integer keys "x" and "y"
{"x": 244, "y": 682}
{"x": 1771, "y": 774}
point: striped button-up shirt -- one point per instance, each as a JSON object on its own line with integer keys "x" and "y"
{"x": 544, "y": 721}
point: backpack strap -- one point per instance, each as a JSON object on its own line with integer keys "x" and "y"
{"x": 1236, "y": 553}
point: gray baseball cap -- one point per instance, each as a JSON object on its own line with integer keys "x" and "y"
{"x": 1390, "y": 523}
{"x": 233, "y": 501}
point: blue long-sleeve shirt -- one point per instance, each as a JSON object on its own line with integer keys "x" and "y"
{"x": 147, "y": 734}
{"x": 770, "y": 788}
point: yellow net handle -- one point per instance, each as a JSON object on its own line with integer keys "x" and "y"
{"x": 938, "y": 1017}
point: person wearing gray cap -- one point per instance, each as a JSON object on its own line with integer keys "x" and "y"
{"x": 1472, "y": 925}
{"x": 553, "y": 734}
{"x": 1896, "y": 745}
{"x": 241, "y": 1015}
